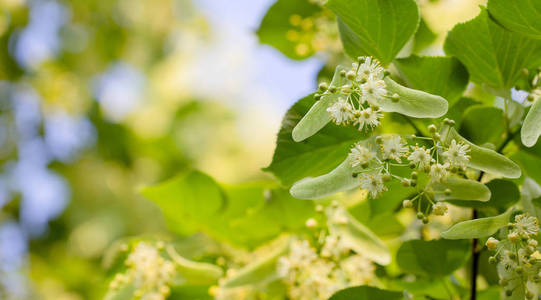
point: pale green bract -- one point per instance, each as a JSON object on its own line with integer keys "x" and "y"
{"x": 477, "y": 228}
{"x": 531, "y": 129}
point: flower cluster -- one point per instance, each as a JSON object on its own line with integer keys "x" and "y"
{"x": 148, "y": 271}
{"x": 519, "y": 263}
{"x": 377, "y": 163}
{"x": 313, "y": 272}
{"x": 360, "y": 92}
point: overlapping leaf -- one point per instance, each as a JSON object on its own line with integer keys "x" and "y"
{"x": 521, "y": 16}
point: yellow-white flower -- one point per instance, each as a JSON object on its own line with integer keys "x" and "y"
{"x": 360, "y": 155}
{"x": 341, "y": 111}
{"x": 525, "y": 225}
{"x": 373, "y": 183}
{"x": 368, "y": 118}
{"x": 457, "y": 154}
{"x": 373, "y": 91}
{"x": 420, "y": 157}
{"x": 438, "y": 172}
{"x": 393, "y": 148}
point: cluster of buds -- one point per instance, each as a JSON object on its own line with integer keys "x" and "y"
{"x": 519, "y": 262}
{"x": 314, "y": 33}
{"x": 360, "y": 92}
{"x": 149, "y": 272}
{"x": 314, "y": 270}
{"x": 375, "y": 165}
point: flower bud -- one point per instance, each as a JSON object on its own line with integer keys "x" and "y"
{"x": 447, "y": 192}
{"x": 513, "y": 237}
{"x": 395, "y": 97}
{"x": 361, "y": 59}
{"x": 317, "y": 97}
{"x": 343, "y": 73}
{"x": 350, "y": 75}
{"x": 311, "y": 223}
{"x": 407, "y": 204}
{"x": 414, "y": 175}
{"x": 332, "y": 89}
{"x": 420, "y": 215}
{"x": 323, "y": 86}
{"x": 425, "y": 220}
{"x": 406, "y": 182}
{"x": 379, "y": 140}
{"x": 386, "y": 177}
{"x": 432, "y": 128}
{"x": 492, "y": 260}
{"x": 492, "y": 244}
{"x": 509, "y": 293}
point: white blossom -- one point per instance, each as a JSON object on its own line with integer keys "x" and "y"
{"x": 373, "y": 183}
{"x": 341, "y": 111}
{"x": 439, "y": 209}
{"x": 394, "y": 148}
{"x": 457, "y": 154}
{"x": 373, "y": 91}
{"x": 420, "y": 157}
{"x": 525, "y": 225}
{"x": 360, "y": 155}
{"x": 370, "y": 68}
{"x": 438, "y": 172}
{"x": 367, "y": 117}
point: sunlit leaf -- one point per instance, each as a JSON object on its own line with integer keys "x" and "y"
{"x": 492, "y": 55}
{"x": 518, "y": 15}
{"x": 531, "y": 129}
{"x": 377, "y": 28}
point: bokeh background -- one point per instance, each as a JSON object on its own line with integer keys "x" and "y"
{"x": 99, "y": 98}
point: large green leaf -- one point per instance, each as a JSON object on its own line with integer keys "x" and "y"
{"x": 276, "y": 24}
{"x": 247, "y": 214}
{"x": 477, "y": 228}
{"x": 531, "y": 129}
{"x": 492, "y": 55}
{"x": 361, "y": 240}
{"x": 518, "y": 15}
{"x": 378, "y": 28}
{"x": 461, "y": 189}
{"x": 314, "y": 156}
{"x": 366, "y": 293}
{"x": 432, "y": 258}
{"x": 187, "y": 201}
{"x": 414, "y": 103}
{"x": 485, "y": 159}
{"x": 443, "y": 76}
{"x": 483, "y": 124}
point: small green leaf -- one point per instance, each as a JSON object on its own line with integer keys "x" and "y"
{"x": 196, "y": 273}
{"x": 414, "y": 103}
{"x": 522, "y": 16}
{"x": 531, "y": 129}
{"x": 262, "y": 270}
{"x": 485, "y": 159}
{"x": 366, "y": 293}
{"x": 461, "y": 189}
{"x": 317, "y": 117}
{"x": 443, "y": 76}
{"x": 492, "y": 55}
{"x": 361, "y": 240}
{"x": 276, "y": 24}
{"x": 338, "y": 180}
{"x": 477, "y": 228}
{"x": 378, "y": 28}
{"x": 432, "y": 258}
{"x": 483, "y": 124}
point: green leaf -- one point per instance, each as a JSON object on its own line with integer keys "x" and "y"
{"x": 194, "y": 273}
{"x": 378, "y": 28}
{"x": 317, "y": 117}
{"x": 461, "y": 189}
{"x": 361, "y": 240}
{"x": 485, "y": 159}
{"x": 314, "y": 156}
{"x": 414, "y": 103}
{"x": 201, "y": 200}
{"x": 518, "y": 15}
{"x": 443, "y": 76}
{"x": 424, "y": 37}
{"x": 492, "y": 55}
{"x": 531, "y": 129}
{"x": 483, "y": 124}
{"x": 432, "y": 258}
{"x": 338, "y": 180}
{"x": 261, "y": 270}
{"x": 366, "y": 293}
{"x": 503, "y": 194}
{"x": 276, "y": 24}
{"x": 477, "y": 228}
{"x": 456, "y": 111}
